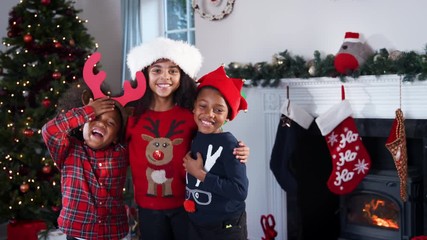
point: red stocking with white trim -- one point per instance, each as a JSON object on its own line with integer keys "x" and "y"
{"x": 351, "y": 161}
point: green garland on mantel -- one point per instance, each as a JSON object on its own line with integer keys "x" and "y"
{"x": 410, "y": 65}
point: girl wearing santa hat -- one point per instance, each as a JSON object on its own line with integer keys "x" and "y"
{"x": 159, "y": 135}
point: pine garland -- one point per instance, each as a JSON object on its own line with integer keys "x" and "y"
{"x": 410, "y": 65}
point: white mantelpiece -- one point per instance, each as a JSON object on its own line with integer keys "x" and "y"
{"x": 369, "y": 96}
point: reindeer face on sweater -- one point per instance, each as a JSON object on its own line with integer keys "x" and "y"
{"x": 159, "y": 154}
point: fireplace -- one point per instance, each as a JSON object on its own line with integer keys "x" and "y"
{"x": 374, "y": 210}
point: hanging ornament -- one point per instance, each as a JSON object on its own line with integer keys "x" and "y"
{"x": 72, "y": 42}
{"x": 56, "y": 75}
{"x": 10, "y": 34}
{"x": 24, "y": 187}
{"x": 46, "y": 169}
{"x": 56, "y": 208}
{"x": 45, "y": 2}
{"x": 58, "y": 45}
{"x": 28, "y": 38}
{"x": 28, "y": 132}
{"x": 46, "y": 102}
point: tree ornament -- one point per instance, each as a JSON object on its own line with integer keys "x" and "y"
{"x": 24, "y": 187}
{"x": 28, "y": 132}
{"x": 58, "y": 45}
{"x": 72, "y": 42}
{"x": 45, "y": 2}
{"x": 47, "y": 169}
{"x": 28, "y": 38}
{"x": 56, "y": 208}
{"x": 46, "y": 102}
{"x": 56, "y": 75}
{"x": 10, "y": 34}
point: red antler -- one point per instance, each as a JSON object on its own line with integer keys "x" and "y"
{"x": 94, "y": 82}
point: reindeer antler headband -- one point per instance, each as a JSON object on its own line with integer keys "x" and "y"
{"x": 94, "y": 82}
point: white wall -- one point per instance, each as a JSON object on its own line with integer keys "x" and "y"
{"x": 256, "y": 30}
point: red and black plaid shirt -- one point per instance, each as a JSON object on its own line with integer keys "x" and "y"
{"x": 92, "y": 180}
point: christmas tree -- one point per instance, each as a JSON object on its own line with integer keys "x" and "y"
{"x": 46, "y": 46}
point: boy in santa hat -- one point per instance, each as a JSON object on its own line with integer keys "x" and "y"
{"x": 217, "y": 184}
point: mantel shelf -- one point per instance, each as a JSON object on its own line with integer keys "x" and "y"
{"x": 369, "y": 96}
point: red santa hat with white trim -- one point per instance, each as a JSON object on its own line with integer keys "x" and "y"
{"x": 352, "y": 37}
{"x": 186, "y": 56}
{"x": 228, "y": 87}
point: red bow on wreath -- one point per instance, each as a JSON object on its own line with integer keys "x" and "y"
{"x": 268, "y": 223}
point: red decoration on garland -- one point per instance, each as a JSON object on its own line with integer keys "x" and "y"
{"x": 189, "y": 206}
{"x": 56, "y": 75}
{"x": 58, "y": 45}
{"x": 46, "y": 102}
{"x": 45, "y": 2}
{"x": 24, "y": 187}
{"x": 28, "y": 38}
{"x": 28, "y": 132}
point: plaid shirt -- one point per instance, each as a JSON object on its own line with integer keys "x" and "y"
{"x": 92, "y": 180}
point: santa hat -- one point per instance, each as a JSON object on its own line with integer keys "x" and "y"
{"x": 352, "y": 37}
{"x": 228, "y": 87}
{"x": 186, "y": 56}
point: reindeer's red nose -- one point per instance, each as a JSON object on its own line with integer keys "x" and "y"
{"x": 158, "y": 155}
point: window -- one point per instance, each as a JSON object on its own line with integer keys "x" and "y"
{"x": 179, "y": 20}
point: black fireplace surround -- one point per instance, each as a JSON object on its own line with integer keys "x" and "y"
{"x": 316, "y": 213}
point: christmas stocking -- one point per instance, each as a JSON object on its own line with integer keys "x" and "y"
{"x": 350, "y": 160}
{"x": 291, "y": 132}
{"x": 396, "y": 144}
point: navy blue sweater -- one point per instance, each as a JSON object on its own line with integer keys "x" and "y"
{"x": 222, "y": 195}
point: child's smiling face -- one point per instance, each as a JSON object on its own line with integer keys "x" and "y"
{"x": 102, "y": 131}
{"x": 210, "y": 110}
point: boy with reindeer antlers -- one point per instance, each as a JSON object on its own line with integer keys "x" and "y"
{"x": 86, "y": 143}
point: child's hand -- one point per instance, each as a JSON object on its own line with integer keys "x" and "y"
{"x": 101, "y": 105}
{"x": 194, "y": 166}
{"x": 242, "y": 152}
